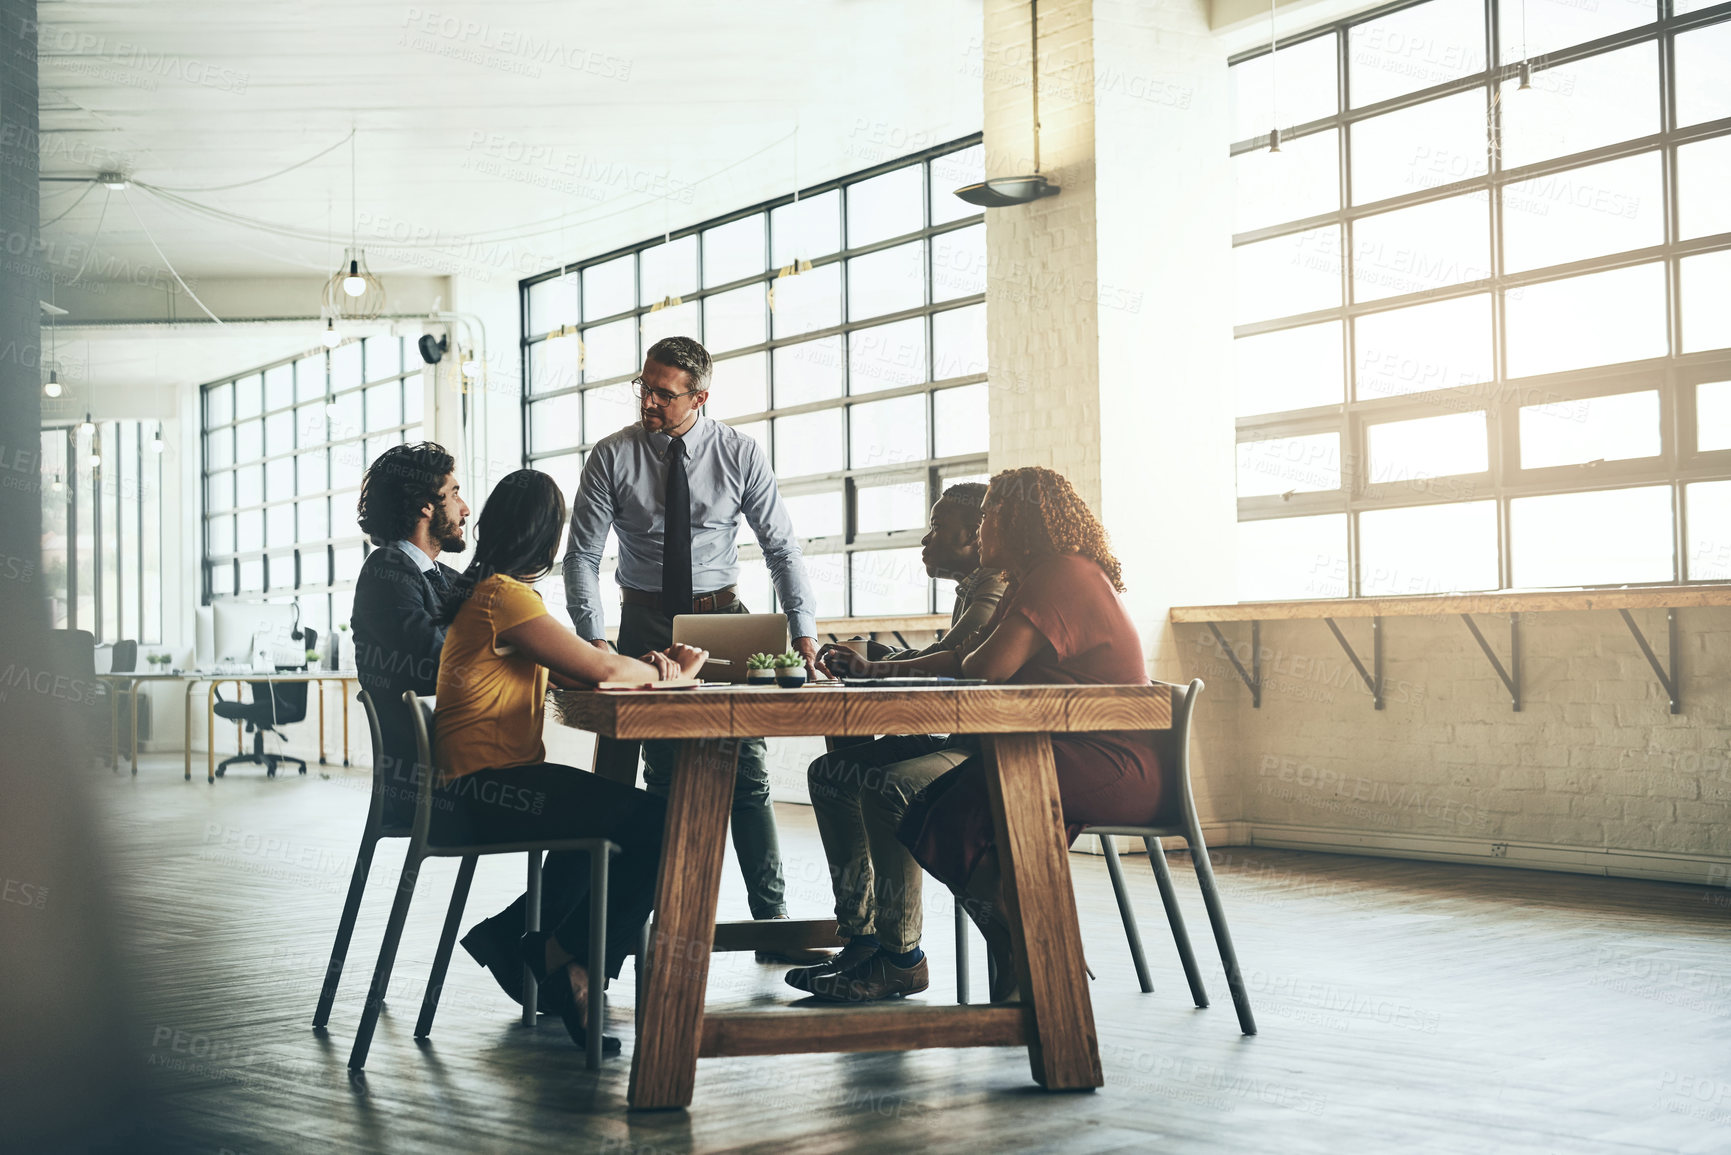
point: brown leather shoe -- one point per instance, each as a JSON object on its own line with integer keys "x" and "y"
{"x": 854, "y": 951}
{"x": 871, "y": 981}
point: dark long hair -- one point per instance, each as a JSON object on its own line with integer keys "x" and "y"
{"x": 516, "y": 535}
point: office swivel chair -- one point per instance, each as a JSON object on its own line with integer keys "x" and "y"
{"x": 273, "y": 704}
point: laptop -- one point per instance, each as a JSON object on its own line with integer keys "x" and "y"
{"x": 732, "y": 638}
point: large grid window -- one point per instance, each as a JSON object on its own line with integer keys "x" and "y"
{"x": 284, "y": 450}
{"x": 848, "y": 327}
{"x": 1482, "y": 331}
{"x": 102, "y": 528}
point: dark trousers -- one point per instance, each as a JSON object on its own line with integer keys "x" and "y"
{"x": 755, "y": 841}
{"x": 547, "y": 800}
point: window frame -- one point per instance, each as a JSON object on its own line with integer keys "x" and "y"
{"x": 1674, "y": 375}
{"x": 935, "y": 470}
{"x": 409, "y": 375}
{"x": 121, "y": 520}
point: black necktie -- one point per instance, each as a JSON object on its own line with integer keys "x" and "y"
{"x": 676, "y": 544}
{"x": 441, "y": 587}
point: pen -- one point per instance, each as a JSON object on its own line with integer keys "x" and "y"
{"x": 719, "y": 662}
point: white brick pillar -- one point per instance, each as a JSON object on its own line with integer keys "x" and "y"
{"x": 1042, "y": 331}
{"x": 1109, "y": 305}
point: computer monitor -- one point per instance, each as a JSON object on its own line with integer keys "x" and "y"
{"x": 256, "y": 635}
{"x": 203, "y": 637}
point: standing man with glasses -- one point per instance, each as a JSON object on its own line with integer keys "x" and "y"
{"x": 673, "y": 487}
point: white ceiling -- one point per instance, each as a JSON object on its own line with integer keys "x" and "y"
{"x": 501, "y": 137}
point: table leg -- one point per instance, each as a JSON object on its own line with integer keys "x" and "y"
{"x": 210, "y": 727}
{"x": 345, "y": 688}
{"x": 132, "y": 703}
{"x": 670, "y": 1009}
{"x": 319, "y": 686}
{"x": 1022, "y": 782}
{"x": 113, "y": 728}
{"x": 187, "y": 711}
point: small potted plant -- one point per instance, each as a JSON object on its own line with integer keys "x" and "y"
{"x": 312, "y": 658}
{"x": 760, "y": 670}
{"x": 790, "y": 670}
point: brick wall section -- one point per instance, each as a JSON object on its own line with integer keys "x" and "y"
{"x": 1042, "y": 327}
{"x": 1594, "y": 759}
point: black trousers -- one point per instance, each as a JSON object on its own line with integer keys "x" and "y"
{"x": 547, "y": 800}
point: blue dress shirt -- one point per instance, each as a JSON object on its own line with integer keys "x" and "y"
{"x": 623, "y": 488}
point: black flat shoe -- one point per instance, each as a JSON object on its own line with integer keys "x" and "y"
{"x": 555, "y": 990}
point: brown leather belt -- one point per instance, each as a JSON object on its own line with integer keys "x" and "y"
{"x": 700, "y": 604}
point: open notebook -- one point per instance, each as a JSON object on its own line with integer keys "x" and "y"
{"x": 669, "y": 684}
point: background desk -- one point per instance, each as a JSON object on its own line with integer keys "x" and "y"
{"x": 1055, "y": 1020}
{"x": 192, "y": 677}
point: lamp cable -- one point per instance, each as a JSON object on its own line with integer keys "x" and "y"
{"x": 166, "y": 262}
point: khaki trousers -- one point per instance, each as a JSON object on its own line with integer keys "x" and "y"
{"x": 859, "y": 794}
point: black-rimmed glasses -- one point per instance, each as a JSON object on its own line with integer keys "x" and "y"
{"x": 659, "y": 396}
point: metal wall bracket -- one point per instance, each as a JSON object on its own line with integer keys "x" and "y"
{"x": 1668, "y": 680}
{"x": 1373, "y": 684}
{"x": 1512, "y": 676}
{"x": 1252, "y": 680}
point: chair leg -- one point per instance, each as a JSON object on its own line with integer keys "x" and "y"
{"x": 447, "y": 940}
{"x": 597, "y": 963}
{"x": 961, "y": 954}
{"x": 387, "y": 959}
{"x": 1126, "y": 912}
{"x": 346, "y": 927}
{"x": 1175, "y": 917}
{"x": 531, "y": 924}
{"x": 1222, "y": 935}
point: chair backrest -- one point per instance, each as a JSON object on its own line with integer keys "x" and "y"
{"x": 380, "y": 781}
{"x": 74, "y": 653}
{"x": 421, "y": 712}
{"x": 1173, "y": 744}
{"x": 282, "y": 702}
{"x": 291, "y": 700}
{"x": 123, "y": 658}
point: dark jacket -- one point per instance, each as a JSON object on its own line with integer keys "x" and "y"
{"x": 397, "y": 645}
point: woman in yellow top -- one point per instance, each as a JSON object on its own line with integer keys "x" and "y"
{"x": 494, "y": 781}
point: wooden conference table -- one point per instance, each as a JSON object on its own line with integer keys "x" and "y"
{"x": 132, "y": 680}
{"x": 1056, "y": 1019}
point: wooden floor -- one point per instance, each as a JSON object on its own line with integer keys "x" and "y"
{"x": 1403, "y": 1006}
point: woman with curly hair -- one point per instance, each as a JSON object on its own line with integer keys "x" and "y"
{"x": 1061, "y": 621}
